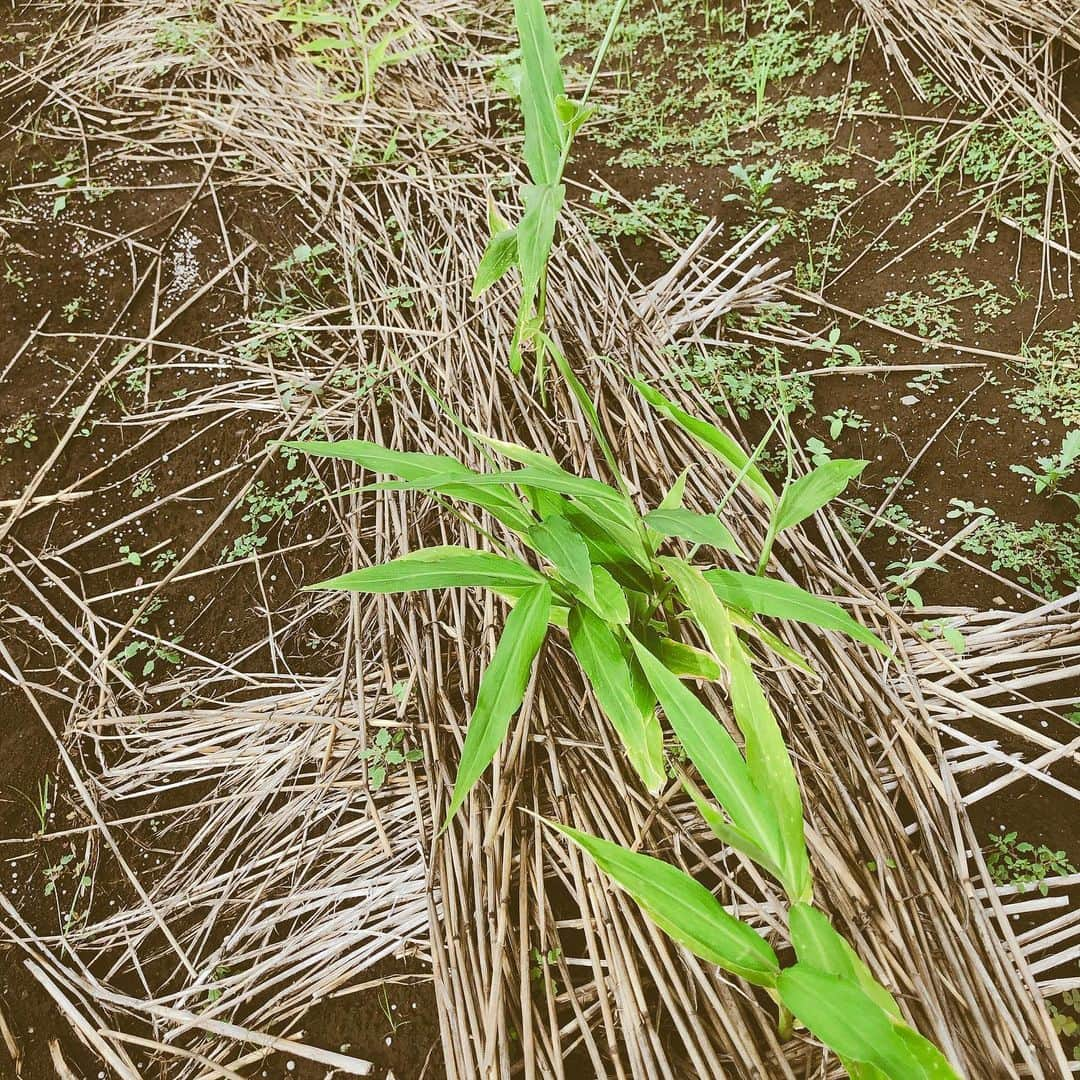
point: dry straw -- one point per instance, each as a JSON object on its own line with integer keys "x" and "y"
{"x": 300, "y": 879}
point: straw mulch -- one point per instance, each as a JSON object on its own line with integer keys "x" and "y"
{"x": 300, "y": 879}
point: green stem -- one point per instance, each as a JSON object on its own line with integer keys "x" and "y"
{"x": 785, "y": 1023}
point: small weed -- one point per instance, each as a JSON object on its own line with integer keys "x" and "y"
{"x": 1045, "y": 557}
{"x": 844, "y": 419}
{"x": 539, "y": 974}
{"x": 22, "y": 432}
{"x": 41, "y": 803}
{"x": 1055, "y": 468}
{"x": 747, "y": 377}
{"x": 666, "y": 209}
{"x": 385, "y": 754}
{"x": 263, "y": 509}
{"x": 74, "y": 308}
{"x": 1017, "y": 862}
{"x": 754, "y": 194}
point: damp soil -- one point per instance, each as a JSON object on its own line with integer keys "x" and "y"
{"x": 76, "y": 268}
{"x": 53, "y": 257}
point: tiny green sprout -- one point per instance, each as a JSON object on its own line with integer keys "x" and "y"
{"x": 74, "y": 308}
{"x": 130, "y": 555}
{"x": 384, "y": 754}
{"x": 965, "y": 508}
{"x": 929, "y": 629}
{"x": 754, "y": 194}
{"x": 818, "y": 451}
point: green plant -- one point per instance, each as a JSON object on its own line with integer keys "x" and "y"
{"x": 385, "y": 753}
{"x": 69, "y": 865}
{"x": 343, "y": 39}
{"x": 755, "y": 189}
{"x": 666, "y": 208}
{"x": 74, "y": 308}
{"x": 903, "y": 577}
{"x": 41, "y": 804}
{"x": 1045, "y": 556}
{"x": 538, "y": 968}
{"x": 843, "y": 419}
{"x": 21, "y": 431}
{"x": 638, "y": 622}
{"x": 265, "y": 508}
{"x": 1055, "y": 468}
{"x": 551, "y": 121}
{"x": 1017, "y": 862}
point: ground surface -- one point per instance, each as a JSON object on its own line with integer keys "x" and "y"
{"x": 925, "y": 217}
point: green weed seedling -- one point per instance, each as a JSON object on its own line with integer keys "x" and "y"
{"x": 329, "y": 38}
{"x": 20, "y": 432}
{"x": 41, "y": 803}
{"x": 386, "y": 754}
{"x": 666, "y": 208}
{"x": 1018, "y": 862}
{"x": 754, "y": 193}
{"x": 1055, "y": 469}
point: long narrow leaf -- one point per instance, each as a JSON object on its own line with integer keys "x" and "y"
{"x": 844, "y": 1017}
{"x": 839, "y": 1013}
{"x": 437, "y": 568}
{"x": 767, "y": 758}
{"x": 714, "y": 753}
{"x": 541, "y": 87}
{"x": 420, "y": 468}
{"x": 723, "y": 445}
{"x": 502, "y": 689}
{"x": 782, "y": 600}
{"x": 819, "y": 945}
{"x": 602, "y": 659}
{"x": 683, "y": 908}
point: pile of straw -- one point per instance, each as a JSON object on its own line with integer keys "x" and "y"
{"x": 300, "y": 877}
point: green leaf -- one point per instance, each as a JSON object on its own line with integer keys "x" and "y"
{"x": 782, "y": 600}
{"x": 697, "y": 528}
{"x": 541, "y": 88}
{"x": 749, "y": 626}
{"x": 608, "y": 599}
{"x": 420, "y": 469}
{"x": 727, "y": 833}
{"x": 500, "y": 254}
{"x": 683, "y": 908}
{"x": 608, "y": 670}
{"x": 723, "y": 445}
{"x": 811, "y": 492}
{"x": 563, "y": 546}
{"x": 818, "y": 944}
{"x": 572, "y": 115}
{"x": 437, "y": 568}
{"x": 673, "y": 500}
{"x": 530, "y": 476}
{"x": 535, "y": 235}
{"x": 934, "y": 1063}
{"x": 685, "y": 661}
{"x": 502, "y": 689}
{"x": 715, "y": 755}
{"x": 844, "y": 1017}
{"x": 767, "y": 758}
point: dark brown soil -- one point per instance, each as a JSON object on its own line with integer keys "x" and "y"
{"x": 55, "y": 260}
